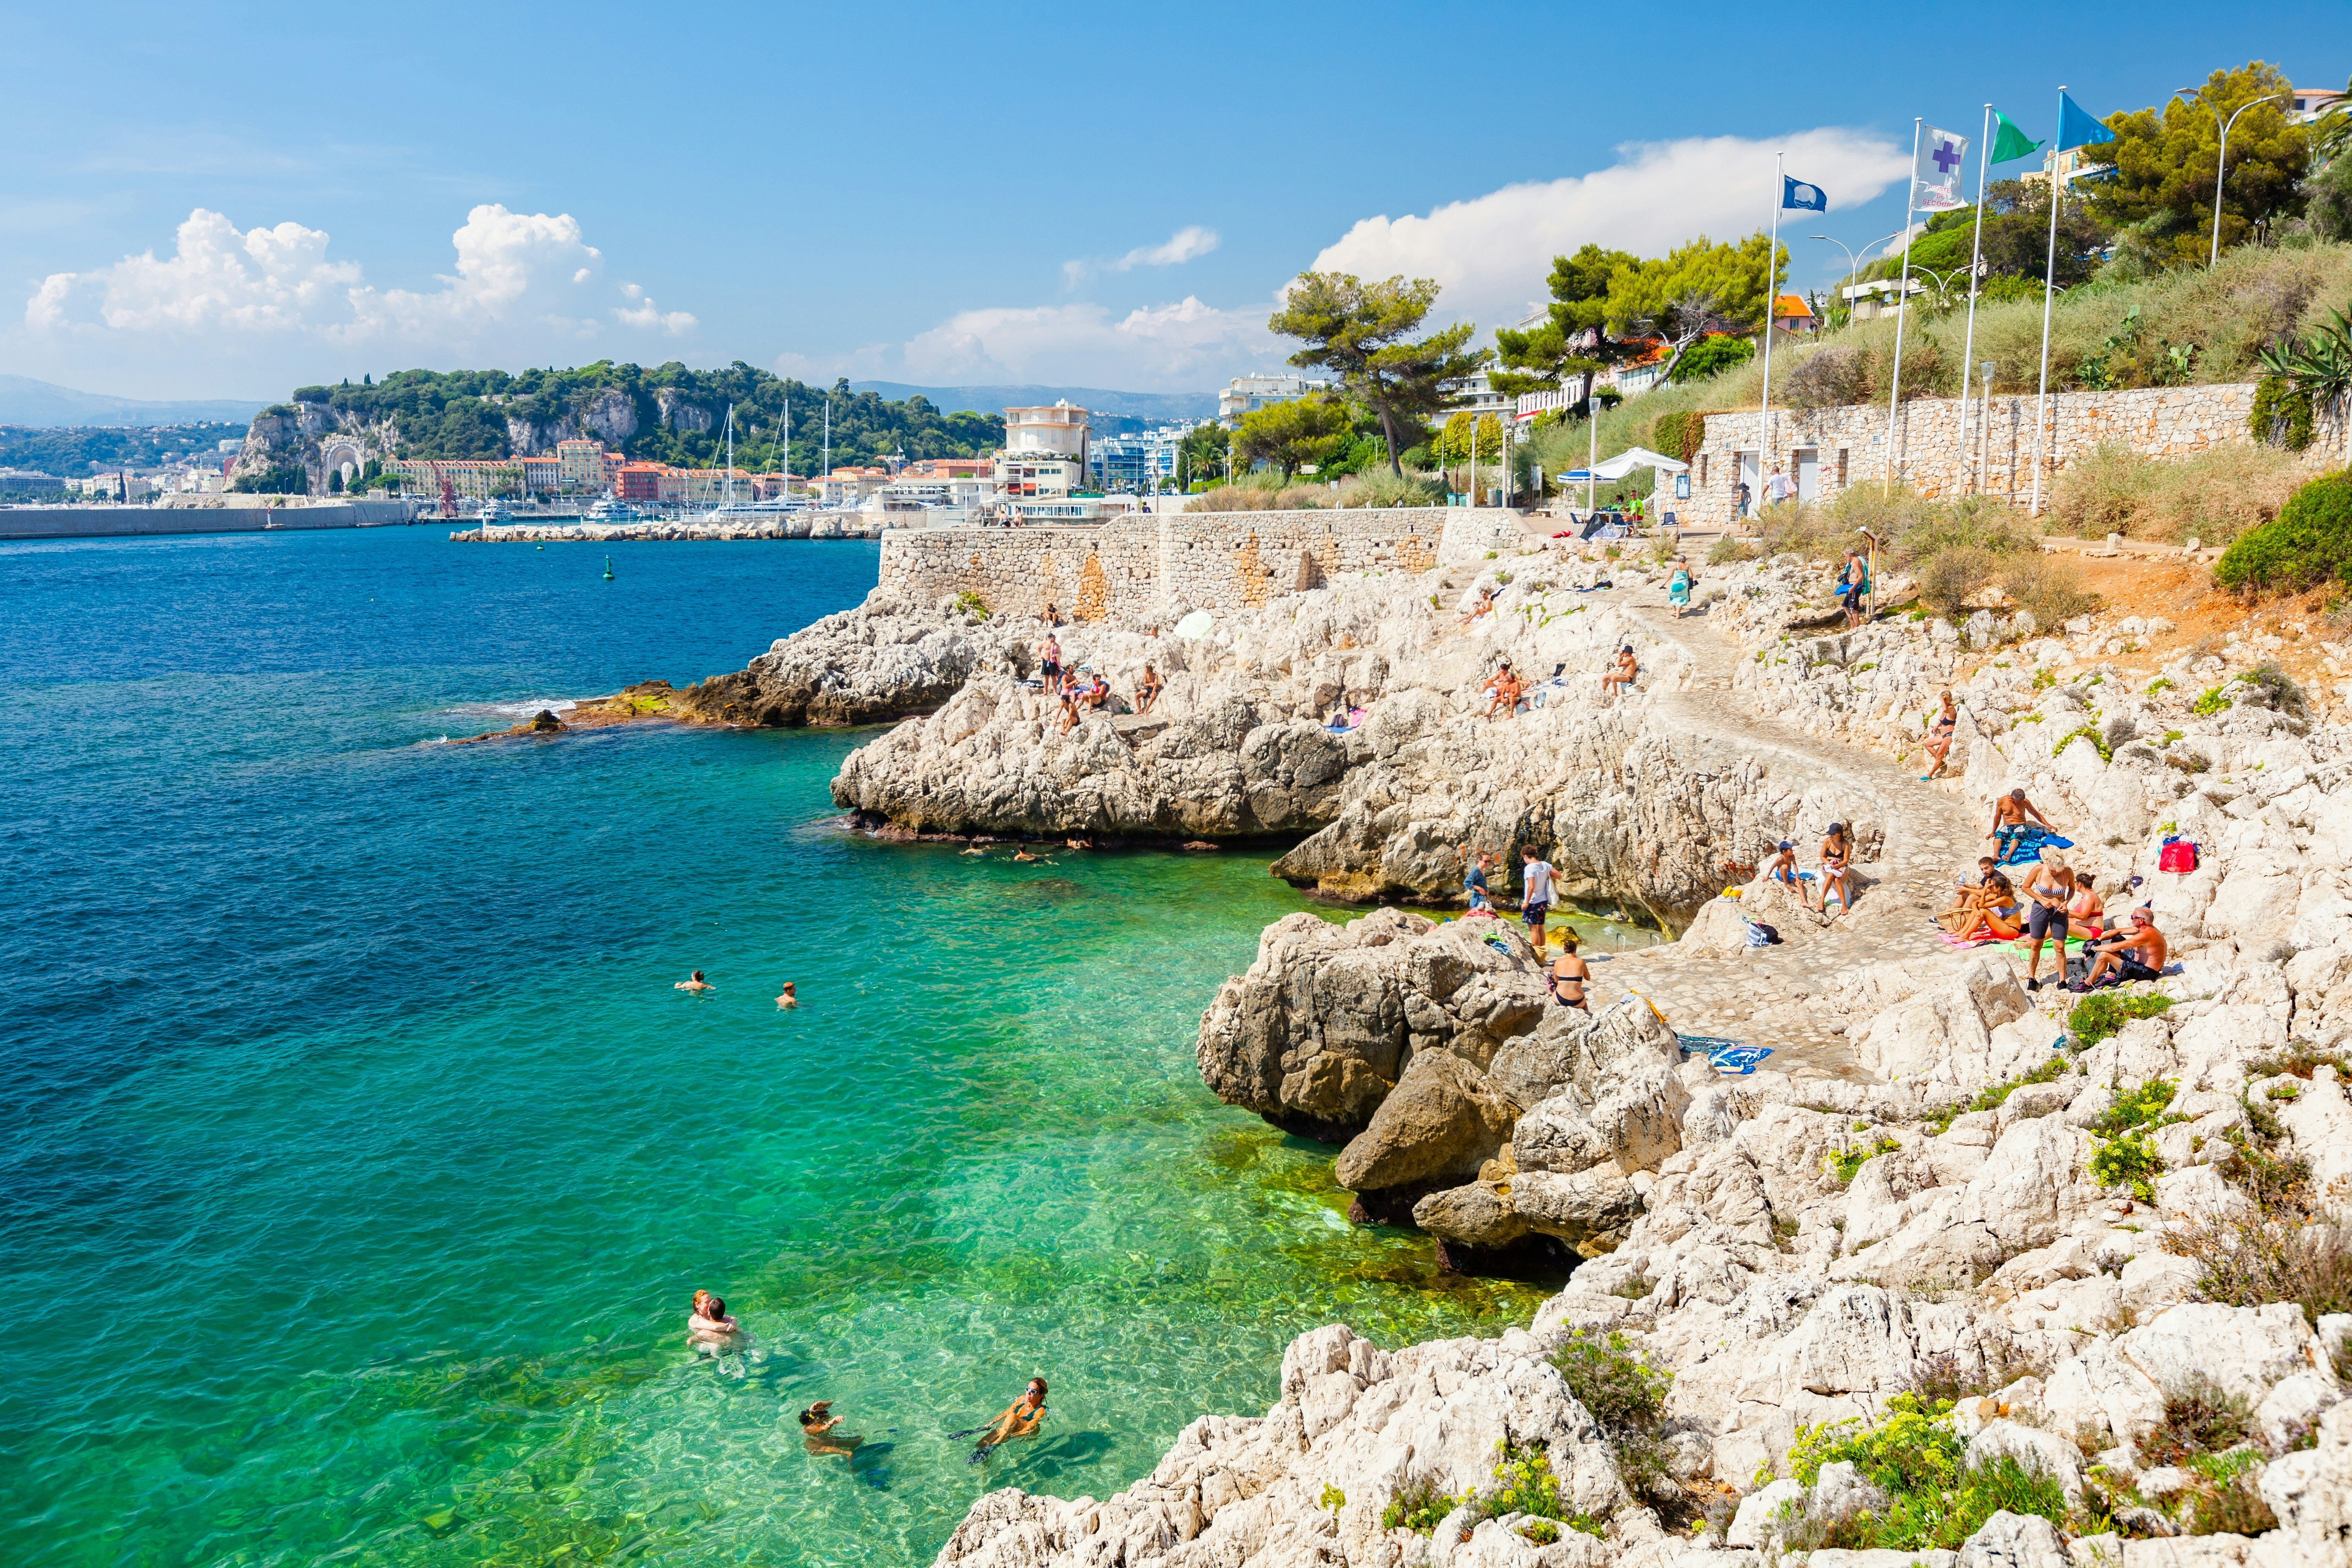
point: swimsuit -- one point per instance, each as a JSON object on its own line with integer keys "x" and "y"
{"x": 1553, "y": 981}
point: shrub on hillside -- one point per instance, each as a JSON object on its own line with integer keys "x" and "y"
{"x": 2281, "y": 416}
{"x": 1679, "y": 433}
{"x": 2308, "y": 542}
{"x": 1829, "y": 378}
{"x": 1378, "y": 486}
{"x": 2214, "y": 496}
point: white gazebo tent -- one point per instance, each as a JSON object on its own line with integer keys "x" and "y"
{"x": 1625, "y": 463}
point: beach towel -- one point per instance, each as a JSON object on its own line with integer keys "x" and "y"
{"x": 1678, "y": 591}
{"x": 2023, "y": 845}
{"x": 1738, "y": 1059}
{"x": 1702, "y": 1045}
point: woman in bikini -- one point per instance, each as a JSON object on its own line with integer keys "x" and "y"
{"x": 2085, "y": 914}
{"x": 1569, "y": 974}
{"x": 1939, "y": 737}
{"x": 1837, "y": 848}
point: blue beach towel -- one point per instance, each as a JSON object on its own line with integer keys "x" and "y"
{"x": 1700, "y": 1042}
{"x": 2023, "y": 845}
{"x": 1740, "y": 1059}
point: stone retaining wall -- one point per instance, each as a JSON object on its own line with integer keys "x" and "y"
{"x": 1220, "y": 561}
{"x": 1851, "y": 446}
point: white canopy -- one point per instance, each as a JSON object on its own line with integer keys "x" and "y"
{"x": 1632, "y": 457}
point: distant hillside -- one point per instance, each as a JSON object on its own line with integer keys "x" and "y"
{"x": 24, "y": 401}
{"x": 665, "y": 413}
{"x": 75, "y": 452}
{"x": 1144, "y": 408}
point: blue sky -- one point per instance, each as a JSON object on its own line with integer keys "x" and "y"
{"x": 232, "y": 200}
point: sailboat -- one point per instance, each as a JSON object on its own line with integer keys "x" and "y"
{"x": 730, "y": 509}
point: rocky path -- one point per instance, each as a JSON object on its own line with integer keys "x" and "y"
{"x": 1784, "y": 996}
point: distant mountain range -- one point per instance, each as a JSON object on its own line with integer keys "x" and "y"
{"x": 24, "y": 401}
{"x": 1142, "y": 407}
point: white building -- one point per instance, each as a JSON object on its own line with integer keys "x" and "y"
{"x": 1246, "y": 392}
{"x": 1138, "y": 460}
{"x": 1044, "y": 452}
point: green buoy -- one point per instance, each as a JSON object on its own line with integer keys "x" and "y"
{"x": 608, "y": 568}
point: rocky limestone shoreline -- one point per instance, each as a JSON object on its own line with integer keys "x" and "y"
{"x": 2061, "y": 1247}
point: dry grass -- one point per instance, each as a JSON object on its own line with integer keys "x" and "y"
{"x": 2213, "y": 497}
{"x": 2224, "y": 315}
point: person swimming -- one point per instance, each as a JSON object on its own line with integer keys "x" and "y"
{"x": 789, "y": 997}
{"x": 709, "y": 1320}
{"x": 1020, "y": 1419}
{"x": 817, "y": 1423}
{"x": 694, "y": 983}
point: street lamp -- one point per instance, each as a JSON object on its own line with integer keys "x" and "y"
{"x": 1853, "y": 265}
{"x": 2221, "y": 159}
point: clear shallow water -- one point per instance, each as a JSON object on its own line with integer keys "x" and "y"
{"x": 362, "y": 1158}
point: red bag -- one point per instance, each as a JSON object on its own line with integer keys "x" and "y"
{"x": 2177, "y": 855}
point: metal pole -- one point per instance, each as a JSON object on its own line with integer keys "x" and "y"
{"x": 1771, "y": 304}
{"x": 1902, "y": 310}
{"x": 2049, "y": 283}
{"x": 2221, "y": 171}
{"x": 1975, "y": 261}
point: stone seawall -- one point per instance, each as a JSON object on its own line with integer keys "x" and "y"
{"x": 1848, "y": 446}
{"x": 117, "y": 522}
{"x": 1223, "y": 562}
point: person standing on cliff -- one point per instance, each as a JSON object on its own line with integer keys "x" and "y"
{"x": 1535, "y": 893}
{"x": 1049, "y": 661}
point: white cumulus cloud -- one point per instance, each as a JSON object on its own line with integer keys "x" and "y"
{"x": 524, "y": 282}
{"x": 1493, "y": 253}
{"x": 1184, "y": 344}
{"x": 1183, "y": 246}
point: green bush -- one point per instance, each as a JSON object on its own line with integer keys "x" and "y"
{"x": 1627, "y": 1397}
{"x": 2209, "y": 702}
{"x": 2143, "y": 1107}
{"x": 1420, "y": 1505}
{"x": 1846, "y": 1164}
{"x": 2309, "y": 541}
{"x": 2096, "y": 1017}
{"x": 2130, "y": 1162}
{"x": 2281, "y": 416}
{"x": 1919, "y": 1460}
{"x": 2087, "y": 732}
{"x": 1679, "y": 433}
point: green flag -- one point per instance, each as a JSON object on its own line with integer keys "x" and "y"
{"x": 2008, "y": 141}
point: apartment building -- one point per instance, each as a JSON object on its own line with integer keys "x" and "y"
{"x": 1246, "y": 392}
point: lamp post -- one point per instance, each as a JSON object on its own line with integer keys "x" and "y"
{"x": 2220, "y": 159}
{"x": 1852, "y": 263}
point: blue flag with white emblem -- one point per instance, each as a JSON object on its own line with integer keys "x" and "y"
{"x": 1798, "y": 196}
{"x": 1936, "y": 177}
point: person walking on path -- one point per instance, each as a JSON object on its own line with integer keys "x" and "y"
{"x": 1939, "y": 737}
{"x": 1741, "y": 508}
{"x": 2048, "y": 892}
{"x": 1535, "y": 893}
{"x": 1779, "y": 486}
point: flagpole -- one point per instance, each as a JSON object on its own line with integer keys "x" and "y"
{"x": 1771, "y": 300}
{"x": 1902, "y": 310}
{"x": 2049, "y": 283}
{"x": 1976, "y": 260}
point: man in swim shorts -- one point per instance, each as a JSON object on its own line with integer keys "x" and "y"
{"x": 2008, "y": 815}
{"x": 694, "y": 983}
{"x": 1535, "y": 893}
{"x": 1049, "y": 664}
{"x": 2138, "y": 955}
{"x": 1783, "y": 868}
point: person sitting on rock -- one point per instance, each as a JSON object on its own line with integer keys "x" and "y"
{"x": 2008, "y": 815}
{"x": 1478, "y": 904}
{"x": 1621, "y": 672}
{"x": 2137, "y": 955}
{"x": 2085, "y": 912}
{"x": 1482, "y": 605}
{"x": 1069, "y": 712}
{"x": 1505, "y": 685}
{"x": 1148, "y": 689}
{"x": 1569, "y": 975}
{"x": 1837, "y": 848}
{"x": 1783, "y": 867}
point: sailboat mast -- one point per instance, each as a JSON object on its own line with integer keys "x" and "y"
{"x": 726, "y": 480}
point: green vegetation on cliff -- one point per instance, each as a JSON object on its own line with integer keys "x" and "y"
{"x": 665, "y": 414}
{"x": 83, "y": 451}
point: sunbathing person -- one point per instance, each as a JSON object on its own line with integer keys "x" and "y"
{"x": 1621, "y": 671}
{"x": 1505, "y": 688}
{"x": 2137, "y": 955}
{"x": 2008, "y": 815}
{"x": 1484, "y": 604}
{"x": 1939, "y": 737}
{"x": 1148, "y": 689}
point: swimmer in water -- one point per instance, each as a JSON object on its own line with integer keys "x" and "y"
{"x": 817, "y": 1423}
{"x": 788, "y": 999}
{"x": 694, "y": 983}
{"x": 709, "y": 1320}
{"x": 1021, "y": 1419}
{"x": 1023, "y": 854}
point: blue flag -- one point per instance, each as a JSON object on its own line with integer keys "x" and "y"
{"x": 2076, "y": 128}
{"x": 1798, "y": 196}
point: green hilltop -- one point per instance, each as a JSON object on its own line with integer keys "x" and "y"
{"x": 665, "y": 414}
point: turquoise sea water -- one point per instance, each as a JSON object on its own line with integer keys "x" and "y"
{"x": 362, "y": 1158}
